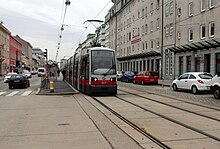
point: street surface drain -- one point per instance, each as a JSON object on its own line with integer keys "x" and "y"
{"x": 63, "y": 124}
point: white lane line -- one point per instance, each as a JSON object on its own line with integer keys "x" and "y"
{"x": 12, "y": 93}
{"x": 26, "y": 93}
{"x": 1, "y": 93}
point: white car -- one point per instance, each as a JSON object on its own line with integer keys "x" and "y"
{"x": 194, "y": 81}
{"x": 27, "y": 73}
{"x": 119, "y": 75}
{"x": 8, "y": 76}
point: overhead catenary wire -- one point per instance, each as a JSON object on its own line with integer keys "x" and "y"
{"x": 78, "y": 41}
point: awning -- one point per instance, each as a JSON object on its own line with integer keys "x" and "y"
{"x": 140, "y": 55}
{"x": 213, "y": 43}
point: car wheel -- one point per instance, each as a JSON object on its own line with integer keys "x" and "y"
{"x": 134, "y": 81}
{"x": 216, "y": 93}
{"x": 175, "y": 88}
{"x": 142, "y": 82}
{"x": 194, "y": 90}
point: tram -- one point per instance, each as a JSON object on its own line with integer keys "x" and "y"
{"x": 92, "y": 70}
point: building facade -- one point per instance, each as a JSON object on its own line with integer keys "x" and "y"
{"x": 15, "y": 55}
{"x": 169, "y": 36}
{"x": 26, "y": 53}
{"x": 4, "y": 49}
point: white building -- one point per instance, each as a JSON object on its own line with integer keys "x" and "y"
{"x": 172, "y": 36}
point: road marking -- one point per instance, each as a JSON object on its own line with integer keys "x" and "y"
{"x": 26, "y": 93}
{"x": 1, "y": 93}
{"x": 12, "y": 93}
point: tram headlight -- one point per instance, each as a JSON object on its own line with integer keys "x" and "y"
{"x": 112, "y": 79}
{"x": 94, "y": 79}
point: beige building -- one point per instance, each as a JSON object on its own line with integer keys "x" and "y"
{"x": 4, "y": 49}
{"x": 169, "y": 36}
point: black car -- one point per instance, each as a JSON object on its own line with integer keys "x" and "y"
{"x": 18, "y": 80}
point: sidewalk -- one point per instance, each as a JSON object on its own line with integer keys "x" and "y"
{"x": 60, "y": 88}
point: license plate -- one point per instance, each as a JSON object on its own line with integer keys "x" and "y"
{"x": 16, "y": 80}
{"x": 151, "y": 79}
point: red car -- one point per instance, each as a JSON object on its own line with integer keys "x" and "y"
{"x": 146, "y": 77}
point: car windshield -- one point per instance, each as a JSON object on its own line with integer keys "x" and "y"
{"x": 10, "y": 74}
{"x": 26, "y": 71}
{"x": 130, "y": 72}
{"x": 40, "y": 70}
{"x": 151, "y": 74}
{"x": 16, "y": 76}
{"x": 205, "y": 76}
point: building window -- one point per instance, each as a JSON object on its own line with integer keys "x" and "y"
{"x": 158, "y": 4}
{"x": 212, "y": 3}
{"x": 151, "y": 8}
{"x": 167, "y": 8}
{"x": 151, "y": 26}
{"x": 188, "y": 63}
{"x": 211, "y": 29}
{"x": 179, "y": 35}
{"x": 203, "y": 5}
{"x": 151, "y": 44}
{"x": 146, "y": 45}
{"x": 158, "y": 23}
{"x": 171, "y": 29}
{"x": 167, "y": 28}
{"x": 158, "y": 43}
{"x": 180, "y": 65}
{"x": 191, "y": 9}
{"x": 202, "y": 32}
{"x": 143, "y": 46}
{"x": 171, "y": 7}
{"x": 146, "y": 28}
{"x": 138, "y": 14}
{"x": 190, "y": 34}
{"x": 142, "y": 29}
{"x": 146, "y": 11}
{"x": 179, "y": 11}
{"x": 142, "y": 13}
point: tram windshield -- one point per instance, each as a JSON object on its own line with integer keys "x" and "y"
{"x": 103, "y": 62}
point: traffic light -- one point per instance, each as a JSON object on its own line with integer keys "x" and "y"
{"x": 45, "y": 54}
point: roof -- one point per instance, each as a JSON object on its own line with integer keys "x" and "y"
{"x": 140, "y": 55}
{"x": 207, "y": 44}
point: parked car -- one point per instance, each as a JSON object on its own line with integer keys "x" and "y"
{"x": 18, "y": 80}
{"x": 119, "y": 75}
{"x": 41, "y": 72}
{"x": 128, "y": 76}
{"x": 194, "y": 81}
{"x": 215, "y": 86}
{"x": 7, "y": 77}
{"x": 27, "y": 73}
{"x": 146, "y": 77}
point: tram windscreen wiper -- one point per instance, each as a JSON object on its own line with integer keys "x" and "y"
{"x": 113, "y": 66}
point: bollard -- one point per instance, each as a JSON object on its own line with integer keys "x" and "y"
{"x": 51, "y": 86}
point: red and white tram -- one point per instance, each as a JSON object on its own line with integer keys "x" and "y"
{"x": 93, "y": 70}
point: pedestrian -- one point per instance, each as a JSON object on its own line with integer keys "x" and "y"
{"x": 64, "y": 74}
{"x": 58, "y": 72}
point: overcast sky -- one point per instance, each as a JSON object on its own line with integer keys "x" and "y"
{"x": 38, "y": 22}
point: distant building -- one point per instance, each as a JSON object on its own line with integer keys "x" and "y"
{"x": 169, "y": 36}
{"x": 15, "y": 63}
{"x": 4, "y": 49}
{"x": 26, "y": 53}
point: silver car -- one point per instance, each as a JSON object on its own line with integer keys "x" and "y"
{"x": 8, "y": 76}
{"x": 194, "y": 81}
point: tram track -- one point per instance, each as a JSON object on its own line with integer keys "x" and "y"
{"x": 175, "y": 121}
{"x": 133, "y": 125}
{"x": 151, "y": 136}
